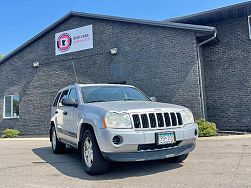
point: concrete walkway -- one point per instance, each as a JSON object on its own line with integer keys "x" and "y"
{"x": 230, "y": 137}
{"x": 223, "y": 162}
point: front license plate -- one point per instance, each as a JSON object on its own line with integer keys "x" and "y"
{"x": 165, "y": 138}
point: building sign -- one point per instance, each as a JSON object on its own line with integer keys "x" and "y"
{"x": 74, "y": 40}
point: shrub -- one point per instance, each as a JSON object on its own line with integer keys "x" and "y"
{"x": 10, "y": 133}
{"x": 206, "y": 128}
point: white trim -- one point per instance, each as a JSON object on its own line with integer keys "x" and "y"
{"x": 249, "y": 26}
{"x": 4, "y": 115}
{"x": 11, "y": 103}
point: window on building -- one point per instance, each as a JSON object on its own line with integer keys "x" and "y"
{"x": 249, "y": 26}
{"x": 11, "y": 106}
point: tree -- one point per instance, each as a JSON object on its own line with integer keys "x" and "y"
{"x": 1, "y": 56}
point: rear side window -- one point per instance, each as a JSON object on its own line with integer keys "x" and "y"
{"x": 64, "y": 95}
{"x": 56, "y": 99}
{"x": 73, "y": 94}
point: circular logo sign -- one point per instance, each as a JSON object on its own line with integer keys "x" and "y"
{"x": 64, "y": 42}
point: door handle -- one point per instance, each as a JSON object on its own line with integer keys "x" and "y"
{"x": 56, "y": 112}
{"x": 65, "y": 113}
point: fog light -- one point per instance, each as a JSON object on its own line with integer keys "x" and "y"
{"x": 116, "y": 140}
{"x": 196, "y": 132}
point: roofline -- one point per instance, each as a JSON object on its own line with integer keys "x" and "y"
{"x": 93, "y": 85}
{"x": 147, "y": 22}
{"x": 226, "y": 8}
{"x": 87, "y": 85}
{"x": 113, "y": 18}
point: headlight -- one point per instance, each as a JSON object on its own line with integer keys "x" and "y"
{"x": 118, "y": 120}
{"x": 187, "y": 116}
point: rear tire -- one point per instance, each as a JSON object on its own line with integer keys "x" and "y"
{"x": 93, "y": 161}
{"x": 178, "y": 159}
{"x": 57, "y": 146}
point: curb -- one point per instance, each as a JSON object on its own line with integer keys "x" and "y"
{"x": 24, "y": 139}
{"x": 230, "y": 137}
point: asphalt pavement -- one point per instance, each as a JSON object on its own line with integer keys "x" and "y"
{"x": 217, "y": 162}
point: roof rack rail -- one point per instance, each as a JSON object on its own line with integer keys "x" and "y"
{"x": 122, "y": 83}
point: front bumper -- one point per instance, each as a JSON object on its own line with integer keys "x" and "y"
{"x": 131, "y": 138}
{"x": 150, "y": 155}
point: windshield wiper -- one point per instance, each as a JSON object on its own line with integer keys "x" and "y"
{"x": 97, "y": 101}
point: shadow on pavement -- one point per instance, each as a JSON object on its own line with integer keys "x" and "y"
{"x": 69, "y": 164}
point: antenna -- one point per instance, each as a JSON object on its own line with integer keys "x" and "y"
{"x": 75, "y": 73}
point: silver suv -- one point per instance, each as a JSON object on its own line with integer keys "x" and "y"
{"x": 108, "y": 122}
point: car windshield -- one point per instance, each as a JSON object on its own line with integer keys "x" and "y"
{"x": 112, "y": 93}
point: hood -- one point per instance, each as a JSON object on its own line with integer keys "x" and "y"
{"x": 137, "y": 106}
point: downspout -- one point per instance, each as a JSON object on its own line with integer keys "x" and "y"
{"x": 202, "y": 94}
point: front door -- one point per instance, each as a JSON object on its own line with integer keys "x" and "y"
{"x": 60, "y": 117}
{"x": 71, "y": 117}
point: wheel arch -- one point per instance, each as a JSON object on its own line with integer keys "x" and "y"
{"x": 84, "y": 127}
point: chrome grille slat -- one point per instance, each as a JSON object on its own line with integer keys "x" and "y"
{"x": 149, "y": 123}
{"x": 164, "y": 119}
{"x": 159, "y": 120}
{"x": 176, "y": 118}
{"x": 156, "y": 120}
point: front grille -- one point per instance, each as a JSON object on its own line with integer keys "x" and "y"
{"x": 144, "y": 147}
{"x": 156, "y": 120}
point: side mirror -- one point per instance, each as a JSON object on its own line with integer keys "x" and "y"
{"x": 69, "y": 102}
{"x": 153, "y": 99}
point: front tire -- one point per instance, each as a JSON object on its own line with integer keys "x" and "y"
{"x": 57, "y": 146}
{"x": 93, "y": 161}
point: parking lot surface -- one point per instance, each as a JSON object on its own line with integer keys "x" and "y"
{"x": 214, "y": 163}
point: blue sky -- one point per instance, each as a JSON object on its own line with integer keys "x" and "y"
{"x": 22, "y": 19}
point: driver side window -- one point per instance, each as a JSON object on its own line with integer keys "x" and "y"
{"x": 64, "y": 95}
{"x": 73, "y": 94}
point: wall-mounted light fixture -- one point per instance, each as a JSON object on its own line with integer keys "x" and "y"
{"x": 35, "y": 64}
{"x": 114, "y": 51}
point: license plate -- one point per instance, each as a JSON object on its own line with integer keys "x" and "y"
{"x": 165, "y": 138}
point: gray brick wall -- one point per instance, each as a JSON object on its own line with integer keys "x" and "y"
{"x": 160, "y": 61}
{"x": 227, "y": 68}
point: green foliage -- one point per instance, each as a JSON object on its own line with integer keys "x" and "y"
{"x": 1, "y": 56}
{"x": 10, "y": 133}
{"x": 206, "y": 128}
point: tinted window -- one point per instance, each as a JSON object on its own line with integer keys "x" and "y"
{"x": 56, "y": 99}
{"x": 112, "y": 93}
{"x": 73, "y": 94}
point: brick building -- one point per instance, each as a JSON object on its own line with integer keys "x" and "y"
{"x": 200, "y": 61}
